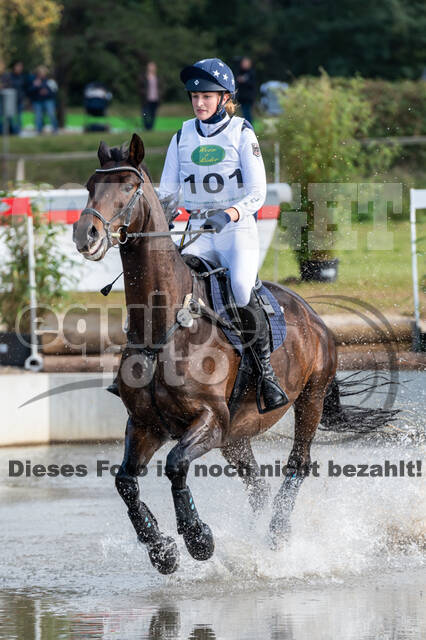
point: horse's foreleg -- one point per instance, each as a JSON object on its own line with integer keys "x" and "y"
{"x": 140, "y": 446}
{"x": 307, "y": 412}
{"x": 241, "y": 456}
{"x": 203, "y": 435}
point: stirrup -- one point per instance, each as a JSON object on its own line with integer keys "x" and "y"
{"x": 259, "y": 395}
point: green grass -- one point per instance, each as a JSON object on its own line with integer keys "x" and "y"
{"x": 127, "y": 118}
{"x": 70, "y": 142}
{"x": 380, "y": 277}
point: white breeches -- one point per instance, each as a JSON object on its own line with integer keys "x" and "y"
{"x": 235, "y": 247}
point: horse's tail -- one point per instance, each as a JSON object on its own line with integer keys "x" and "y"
{"x": 338, "y": 417}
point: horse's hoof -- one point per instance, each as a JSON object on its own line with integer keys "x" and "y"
{"x": 164, "y": 555}
{"x": 199, "y": 541}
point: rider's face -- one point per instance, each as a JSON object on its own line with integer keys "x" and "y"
{"x": 205, "y": 103}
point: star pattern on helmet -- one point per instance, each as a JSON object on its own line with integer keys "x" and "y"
{"x": 196, "y": 82}
{"x": 225, "y": 76}
{"x": 220, "y": 64}
{"x": 216, "y": 73}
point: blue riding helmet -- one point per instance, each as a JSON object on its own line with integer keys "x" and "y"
{"x": 210, "y": 74}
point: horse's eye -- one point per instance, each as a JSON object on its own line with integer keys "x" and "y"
{"x": 127, "y": 187}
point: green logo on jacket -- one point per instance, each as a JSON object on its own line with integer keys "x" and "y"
{"x": 208, "y": 154}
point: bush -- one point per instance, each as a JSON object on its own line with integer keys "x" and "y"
{"x": 319, "y": 135}
{"x": 52, "y": 269}
{"x": 399, "y": 108}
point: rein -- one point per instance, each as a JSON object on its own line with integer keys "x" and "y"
{"x": 127, "y": 211}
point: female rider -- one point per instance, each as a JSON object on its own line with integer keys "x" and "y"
{"x": 215, "y": 159}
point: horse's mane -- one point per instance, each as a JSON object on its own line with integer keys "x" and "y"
{"x": 121, "y": 154}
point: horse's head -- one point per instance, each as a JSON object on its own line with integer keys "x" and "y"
{"x": 114, "y": 193}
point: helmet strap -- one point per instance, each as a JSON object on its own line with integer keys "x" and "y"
{"x": 220, "y": 112}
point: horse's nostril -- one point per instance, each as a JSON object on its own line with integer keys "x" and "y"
{"x": 93, "y": 232}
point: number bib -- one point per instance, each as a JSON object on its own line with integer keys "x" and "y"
{"x": 210, "y": 168}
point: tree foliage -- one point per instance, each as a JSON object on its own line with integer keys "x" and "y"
{"x": 319, "y": 134}
{"x": 111, "y": 42}
{"x": 37, "y": 20}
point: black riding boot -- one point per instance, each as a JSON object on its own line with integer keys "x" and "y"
{"x": 256, "y": 334}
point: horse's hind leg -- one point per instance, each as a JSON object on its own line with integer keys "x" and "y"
{"x": 201, "y": 437}
{"x": 140, "y": 446}
{"x": 241, "y": 456}
{"x": 307, "y": 411}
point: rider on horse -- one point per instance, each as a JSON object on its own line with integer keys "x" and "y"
{"x": 215, "y": 159}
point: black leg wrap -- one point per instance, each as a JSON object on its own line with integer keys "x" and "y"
{"x": 162, "y": 550}
{"x": 260, "y": 493}
{"x": 145, "y": 524}
{"x": 197, "y": 535}
{"x": 283, "y": 506}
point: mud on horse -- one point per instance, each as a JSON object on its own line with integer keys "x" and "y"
{"x": 179, "y": 390}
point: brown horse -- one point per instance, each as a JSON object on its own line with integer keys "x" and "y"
{"x": 176, "y": 380}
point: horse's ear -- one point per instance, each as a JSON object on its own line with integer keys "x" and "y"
{"x": 104, "y": 153}
{"x": 136, "y": 151}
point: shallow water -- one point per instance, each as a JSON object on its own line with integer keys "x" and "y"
{"x": 352, "y": 569}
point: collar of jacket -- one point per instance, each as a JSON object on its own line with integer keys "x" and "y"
{"x": 208, "y": 128}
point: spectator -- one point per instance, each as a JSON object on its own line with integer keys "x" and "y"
{"x": 150, "y": 88}
{"x": 42, "y": 92}
{"x": 18, "y": 80}
{"x": 96, "y": 99}
{"x": 246, "y": 86}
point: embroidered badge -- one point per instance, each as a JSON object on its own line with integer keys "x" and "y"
{"x": 256, "y": 149}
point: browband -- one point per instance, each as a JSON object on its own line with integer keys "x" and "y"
{"x": 116, "y": 169}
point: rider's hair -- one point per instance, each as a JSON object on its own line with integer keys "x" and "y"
{"x": 230, "y": 106}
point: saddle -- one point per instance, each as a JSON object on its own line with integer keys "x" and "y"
{"x": 221, "y": 300}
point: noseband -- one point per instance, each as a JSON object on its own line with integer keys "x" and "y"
{"x": 126, "y": 211}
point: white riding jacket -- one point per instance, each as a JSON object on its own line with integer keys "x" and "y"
{"x": 217, "y": 166}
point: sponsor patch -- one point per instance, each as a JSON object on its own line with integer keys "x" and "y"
{"x": 208, "y": 154}
{"x": 256, "y": 149}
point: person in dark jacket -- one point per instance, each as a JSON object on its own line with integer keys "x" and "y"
{"x": 150, "y": 90}
{"x": 17, "y": 79}
{"x": 42, "y": 92}
{"x": 246, "y": 86}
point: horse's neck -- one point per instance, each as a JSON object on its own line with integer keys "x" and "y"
{"x": 156, "y": 280}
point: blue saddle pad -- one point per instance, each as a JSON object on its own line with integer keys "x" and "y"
{"x": 277, "y": 323}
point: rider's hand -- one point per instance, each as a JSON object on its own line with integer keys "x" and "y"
{"x": 218, "y": 220}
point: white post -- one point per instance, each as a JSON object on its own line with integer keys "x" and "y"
{"x": 277, "y": 171}
{"x": 20, "y": 171}
{"x": 416, "y": 336}
{"x": 277, "y": 175}
{"x": 34, "y": 362}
